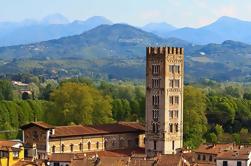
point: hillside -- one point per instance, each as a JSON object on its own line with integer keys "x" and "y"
{"x": 118, "y": 51}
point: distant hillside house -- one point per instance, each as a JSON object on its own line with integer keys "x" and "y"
{"x": 41, "y": 139}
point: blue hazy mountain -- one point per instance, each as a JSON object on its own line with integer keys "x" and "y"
{"x": 55, "y": 19}
{"x": 160, "y": 29}
{"x": 231, "y": 29}
{"x": 51, "y": 27}
{"x": 225, "y": 28}
{"x": 56, "y": 26}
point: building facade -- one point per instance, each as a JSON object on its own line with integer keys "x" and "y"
{"x": 11, "y": 152}
{"x": 164, "y": 99}
{"x": 41, "y": 139}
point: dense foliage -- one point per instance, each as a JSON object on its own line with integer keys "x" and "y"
{"x": 213, "y": 112}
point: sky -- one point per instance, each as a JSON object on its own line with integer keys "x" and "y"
{"x": 180, "y": 13}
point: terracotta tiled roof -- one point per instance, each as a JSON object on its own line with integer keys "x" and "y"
{"x": 74, "y": 130}
{"x": 120, "y": 127}
{"x": 68, "y": 157}
{"x": 142, "y": 162}
{"x": 237, "y": 154}
{"x": 189, "y": 157}
{"x": 79, "y": 130}
{"x": 25, "y": 163}
{"x": 81, "y": 162}
{"x": 213, "y": 149}
{"x": 63, "y": 157}
{"x": 39, "y": 124}
{"x": 205, "y": 164}
{"x": 114, "y": 161}
{"x": 113, "y": 153}
{"x": 6, "y": 143}
{"x": 171, "y": 159}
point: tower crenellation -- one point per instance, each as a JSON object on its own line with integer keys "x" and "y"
{"x": 164, "y": 50}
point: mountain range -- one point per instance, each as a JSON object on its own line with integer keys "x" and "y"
{"x": 51, "y": 27}
{"x": 118, "y": 51}
{"x": 56, "y": 26}
{"x": 225, "y": 28}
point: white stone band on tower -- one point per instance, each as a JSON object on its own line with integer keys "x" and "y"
{"x": 164, "y": 99}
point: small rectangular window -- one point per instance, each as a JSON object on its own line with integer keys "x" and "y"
{"x": 154, "y": 145}
{"x": 225, "y": 163}
{"x": 178, "y": 68}
{"x": 155, "y": 83}
{"x": 176, "y": 127}
{"x": 174, "y": 69}
{"x": 239, "y": 163}
{"x": 171, "y": 100}
{"x": 155, "y": 114}
{"x": 155, "y": 127}
{"x": 198, "y": 157}
{"x": 176, "y": 99}
{"x": 171, "y": 83}
{"x": 155, "y": 69}
{"x": 171, "y": 114}
{"x": 170, "y": 127}
{"x": 171, "y": 68}
{"x": 176, "y": 113}
{"x": 177, "y": 84}
{"x": 155, "y": 100}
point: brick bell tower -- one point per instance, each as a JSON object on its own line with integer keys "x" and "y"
{"x": 164, "y": 100}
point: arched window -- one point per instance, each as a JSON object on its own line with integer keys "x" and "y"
{"x": 81, "y": 147}
{"x": 71, "y": 147}
{"x": 89, "y": 145}
{"x": 97, "y": 145}
{"x": 62, "y": 147}
{"x": 105, "y": 144}
{"x": 53, "y": 149}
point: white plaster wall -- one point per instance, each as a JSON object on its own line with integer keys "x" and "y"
{"x": 231, "y": 162}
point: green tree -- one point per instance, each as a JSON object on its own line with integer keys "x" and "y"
{"x": 77, "y": 103}
{"x": 213, "y": 138}
{"x": 237, "y": 138}
{"x": 6, "y": 90}
{"x": 219, "y": 131}
{"x": 195, "y": 122}
{"x": 244, "y": 131}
